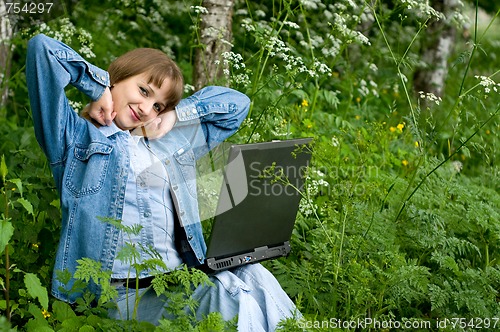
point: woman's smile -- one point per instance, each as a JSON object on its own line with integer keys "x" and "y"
{"x": 134, "y": 114}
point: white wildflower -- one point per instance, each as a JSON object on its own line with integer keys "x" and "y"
{"x": 422, "y": 9}
{"x": 335, "y": 141}
{"x": 319, "y": 173}
{"x": 75, "y": 105}
{"x": 247, "y": 25}
{"x": 199, "y": 9}
{"x": 188, "y": 88}
{"x": 307, "y": 207}
{"x": 311, "y": 4}
{"x": 86, "y": 52}
{"x": 430, "y": 97}
{"x": 352, "y": 4}
{"x": 457, "y": 166}
{"x": 260, "y": 13}
{"x": 292, "y": 25}
{"x": 243, "y": 11}
{"x": 488, "y": 83}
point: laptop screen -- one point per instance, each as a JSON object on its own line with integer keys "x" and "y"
{"x": 259, "y": 197}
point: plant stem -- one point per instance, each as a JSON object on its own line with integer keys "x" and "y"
{"x": 339, "y": 259}
{"x": 7, "y": 283}
{"x": 7, "y": 260}
{"x": 401, "y": 76}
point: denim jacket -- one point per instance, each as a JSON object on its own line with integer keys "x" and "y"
{"x": 90, "y": 165}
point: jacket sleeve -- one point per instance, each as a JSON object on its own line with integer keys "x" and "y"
{"x": 50, "y": 67}
{"x": 210, "y": 116}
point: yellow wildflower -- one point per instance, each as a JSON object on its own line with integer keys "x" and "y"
{"x": 417, "y": 144}
{"x": 392, "y": 129}
{"x": 358, "y": 117}
{"x": 45, "y": 313}
{"x": 35, "y": 245}
{"x": 309, "y": 125}
{"x": 304, "y": 103}
{"x": 358, "y": 99}
{"x": 488, "y": 132}
{"x": 405, "y": 162}
{"x": 400, "y": 127}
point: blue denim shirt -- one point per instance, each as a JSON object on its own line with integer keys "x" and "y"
{"x": 90, "y": 166}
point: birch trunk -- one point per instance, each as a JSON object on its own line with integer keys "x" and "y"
{"x": 215, "y": 39}
{"x": 437, "y": 48}
{"x": 5, "y": 38}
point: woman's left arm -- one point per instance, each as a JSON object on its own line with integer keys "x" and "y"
{"x": 210, "y": 116}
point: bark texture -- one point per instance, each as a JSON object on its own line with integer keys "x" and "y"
{"x": 215, "y": 39}
{"x": 5, "y": 52}
{"x": 436, "y": 49}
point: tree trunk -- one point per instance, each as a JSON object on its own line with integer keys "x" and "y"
{"x": 5, "y": 53}
{"x": 437, "y": 48}
{"x": 215, "y": 39}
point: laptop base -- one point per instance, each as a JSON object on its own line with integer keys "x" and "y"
{"x": 258, "y": 255}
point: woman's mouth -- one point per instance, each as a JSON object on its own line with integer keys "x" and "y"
{"x": 135, "y": 116}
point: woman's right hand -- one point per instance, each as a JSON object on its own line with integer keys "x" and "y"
{"x": 101, "y": 110}
{"x": 157, "y": 127}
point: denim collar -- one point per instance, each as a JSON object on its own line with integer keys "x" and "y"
{"x": 110, "y": 130}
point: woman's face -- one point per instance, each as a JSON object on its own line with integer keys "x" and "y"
{"x": 136, "y": 101}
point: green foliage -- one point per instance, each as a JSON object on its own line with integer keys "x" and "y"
{"x": 36, "y": 290}
{"x": 7, "y": 230}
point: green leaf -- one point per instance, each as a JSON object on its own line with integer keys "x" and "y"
{"x": 5, "y": 324}
{"x": 62, "y": 311}
{"x": 19, "y": 185}
{"x": 86, "y": 328}
{"x": 6, "y": 231}
{"x": 27, "y": 205}
{"x": 36, "y": 290}
{"x": 56, "y": 203}
{"x": 63, "y": 276}
{"x": 331, "y": 98}
{"x": 38, "y": 325}
{"x": 73, "y": 324}
{"x": 36, "y": 312}
{"x": 3, "y": 168}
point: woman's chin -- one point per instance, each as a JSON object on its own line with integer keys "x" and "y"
{"x": 126, "y": 125}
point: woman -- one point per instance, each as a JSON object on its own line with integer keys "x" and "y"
{"x": 102, "y": 171}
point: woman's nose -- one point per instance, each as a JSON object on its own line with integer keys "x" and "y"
{"x": 147, "y": 108}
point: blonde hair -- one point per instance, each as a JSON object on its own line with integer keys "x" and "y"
{"x": 156, "y": 64}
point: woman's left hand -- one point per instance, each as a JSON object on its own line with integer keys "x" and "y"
{"x": 158, "y": 127}
{"x": 101, "y": 110}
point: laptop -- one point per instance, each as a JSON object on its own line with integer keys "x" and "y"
{"x": 258, "y": 203}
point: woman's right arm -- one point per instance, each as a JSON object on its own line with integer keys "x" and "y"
{"x": 50, "y": 67}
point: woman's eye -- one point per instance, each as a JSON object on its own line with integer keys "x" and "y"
{"x": 143, "y": 91}
{"x": 157, "y": 107}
